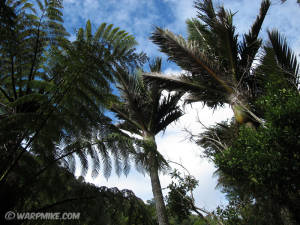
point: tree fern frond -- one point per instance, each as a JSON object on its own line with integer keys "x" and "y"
{"x": 28, "y": 6}
{"x": 107, "y": 31}
{"x": 95, "y": 161}
{"x": 80, "y": 34}
{"x": 126, "y": 166}
{"x": 83, "y": 162}
{"x": 99, "y": 32}
{"x": 107, "y": 167}
{"x": 88, "y": 31}
{"x": 60, "y": 87}
{"x": 117, "y": 163}
{"x": 71, "y": 165}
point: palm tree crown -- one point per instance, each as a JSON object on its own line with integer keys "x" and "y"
{"x": 219, "y": 66}
{"x": 144, "y": 109}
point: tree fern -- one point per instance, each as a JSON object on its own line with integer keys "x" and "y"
{"x": 53, "y": 91}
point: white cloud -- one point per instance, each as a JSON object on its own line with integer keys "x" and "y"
{"x": 170, "y": 71}
{"x": 175, "y": 147}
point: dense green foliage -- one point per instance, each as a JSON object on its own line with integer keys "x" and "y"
{"x": 265, "y": 161}
{"x": 179, "y": 202}
{"x": 96, "y": 205}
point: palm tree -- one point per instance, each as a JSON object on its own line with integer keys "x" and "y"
{"x": 279, "y": 72}
{"x": 145, "y": 111}
{"x": 219, "y": 67}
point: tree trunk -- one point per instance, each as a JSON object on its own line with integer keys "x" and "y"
{"x": 161, "y": 211}
{"x": 158, "y": 197}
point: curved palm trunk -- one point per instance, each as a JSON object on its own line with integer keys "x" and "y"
{"x": 155, "y": 182}
{"x": 242, "y": 113}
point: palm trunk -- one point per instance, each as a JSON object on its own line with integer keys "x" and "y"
{"x": 156, "y": 187}
{"x": 242, "y": 113}
{"x": 158, "y": 197}
{"x": 239, "y": 113}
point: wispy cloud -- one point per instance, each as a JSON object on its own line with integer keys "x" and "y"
{"x": 139, "y": 17}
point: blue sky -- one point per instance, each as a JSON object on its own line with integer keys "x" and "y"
{"x": 139, "y": 17}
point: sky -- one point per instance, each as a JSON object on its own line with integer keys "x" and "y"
{"x": 139, "y": 18}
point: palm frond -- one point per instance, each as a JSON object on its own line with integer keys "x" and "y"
{"x": 218, "y": 32}
{"x": 127, "y": 126}
{"x": 188, "y": 56}
{"x": 216, "y": 139}
{"x": 199, "y": 32}
{"x": 123, "y": 113}
{"x": 206, "y": 11}
{"x": 179, "y": 83}
{"x": 251, "y": 43}
{"x": 168, "y": 111}
{"x": 285, "y": 56}
{"x": 134, "y": 95}
{"x": 155, "y": 65}
{"x": 188, "y": 84}
{"x": 167, "y": 120}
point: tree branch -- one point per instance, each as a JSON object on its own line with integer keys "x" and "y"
{"x": 5, "y": 94}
